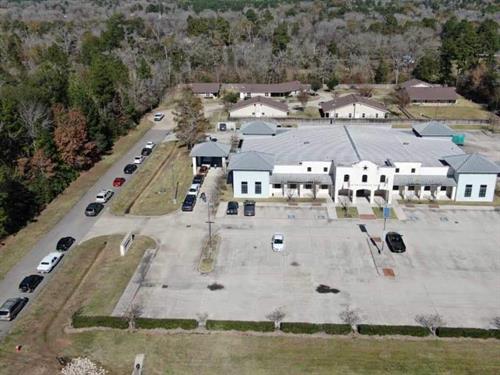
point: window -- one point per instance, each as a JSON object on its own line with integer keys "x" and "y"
{"x": 325, "y": 169}
{"x": 364, "y": 178}
{"x": 258, "y": 188}
{"x": 309, "y": 169}
{"x": 468, "y": 191}
{"x": 363, "y": 115}
{"x": 427, "y": 188}
{"x": 336, "y": 115}
{"x": 482, "y": 191}
{"x": 411, "y": 188}
{"x": 376, "y": 115}
{"x": 276, "y": 186}
{"x": 346, "y": 178}
{"x": 324, "y": 187}
{"x": 413, "y": 170}
{"x": 244, "y": 187}
{"x": 395, "y": 188}
{"x": 253, "y": 113}
{"x": 397, "y": 170}
{"x": 350, "y": 115}
{"x": 292, "y": 186}
{"x": 308, "y": 186}
{"x": 263, "y": 114}
{"x": 443, "y": 188}
{"x": 382, "y": 178}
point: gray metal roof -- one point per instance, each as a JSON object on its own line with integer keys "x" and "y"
{"x": 211, "y": 149}
{"x": 251, "y": 161}
{"x": 302, "y": 178}
{"x": 258, "y": 128}
{"x": 424, "y": 180}
{"x": 346, "y": 145}
{"x": 433, "y": 129}
{"x": 471, "y": 163}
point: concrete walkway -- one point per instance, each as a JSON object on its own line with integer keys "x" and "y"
{"x": 364, "y": 209}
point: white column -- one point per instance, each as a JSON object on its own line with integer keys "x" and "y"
{"x": 372, "y": 196}
{"x": 405, "y": 191}
{"x": 194, "y": 165}
{"x": 336, "y": 195}
{"x": 389, "y": 196}
{"x": 224, "y": 164}
{"x": 453, "y": 192}
{"x": 353, "y": 192}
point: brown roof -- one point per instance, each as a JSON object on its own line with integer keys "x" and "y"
{"x": 262, "y": 100}
{"x": 348, "y": 100}
{"x": 202, "y": 88}
{"x": 278, "y": 88}
{"x": 431, "y": 93}
{"x": 413, "y": 82}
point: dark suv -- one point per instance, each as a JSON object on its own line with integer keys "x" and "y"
{"x": 232, "y": 208}
{"x": 129, "y": 168}
{"x": 30, "y": 283}
{"x": 12, "y": 307}
{"x": 93, "y": 209}
{"x": 249, "y": 208}
{"x": 64, "y": 243}
{"x": 198, "y": 179}
{"x": 395, "y": 242}
{"x": 189, "y": 202}
{"x": 146, "y": 151}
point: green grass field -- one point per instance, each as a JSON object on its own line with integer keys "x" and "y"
{"x": 464, "y": 109}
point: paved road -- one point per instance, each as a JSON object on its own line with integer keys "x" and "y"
{"x": 74, "y": 224}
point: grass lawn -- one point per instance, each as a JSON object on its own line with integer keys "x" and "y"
{"x": 352, "y": 212}
{"x": 42, "y": 336}
{"x": 16, "y": 246}
{"x": 464, "y": 109}
{"x": 174, "y": 177}
{"x": 379, "y": 213}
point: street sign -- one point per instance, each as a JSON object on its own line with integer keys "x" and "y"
{"x": 387, "y": 212}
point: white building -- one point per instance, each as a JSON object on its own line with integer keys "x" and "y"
{"x": 252, "y": 90}
{"x": 353, "y": 106}
{"x": 205, "y": 90}
{"x": 259, "y": 106}
{"x": 358, "y": 162}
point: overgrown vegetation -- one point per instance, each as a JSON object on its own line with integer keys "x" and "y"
{"x": 239, "y": 325}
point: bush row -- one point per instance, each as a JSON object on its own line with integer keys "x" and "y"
{"x": 83, "y": 321}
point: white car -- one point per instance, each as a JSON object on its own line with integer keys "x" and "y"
{"x": 158, "y": 116}
{"x": 104, "y": 195}
{"x": 278, "y": 242}
{"x": 139, "y": 159}
{"x": 194, "y": 189}
{"x": 49, "y": 262}
{"x": 150, "y": 144}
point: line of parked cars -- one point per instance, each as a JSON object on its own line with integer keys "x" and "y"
{"x": 248, "y": 208}
{"x": 193, "y": 191}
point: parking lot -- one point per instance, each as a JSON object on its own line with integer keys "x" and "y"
{"x": 439, "y": 273}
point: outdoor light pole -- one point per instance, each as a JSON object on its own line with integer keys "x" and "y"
{"x": 205, "y": 199}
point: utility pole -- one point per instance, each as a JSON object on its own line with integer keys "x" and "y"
{"x": 205, "y": 199}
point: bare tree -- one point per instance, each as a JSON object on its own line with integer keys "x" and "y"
{"x": 345, "y": 204}
{"x": 202, "y": 319}
{"x": 350, "y": 317}
{"x": 303, "y": 98}
{"x": 430, "y": 321}
{"x": 496, "y": 322}
{"x": 134, "y": 312}
{"x": 277, "y": 317}
{"x": 34, "y": 118}
{"x": 290, "y": 193}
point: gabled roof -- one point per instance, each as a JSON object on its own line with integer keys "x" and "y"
{"x": 431, "y": 93}
{"x": 433, "y": 129}
{"x": 275, "y": 88}
{"x": 261, "y": 100}
{"x": 351, "y": 99}
{"x": 415, "y": 82}
{"x": 210, "y": 149}
{"x": 251, "y": 161}
{"x": 471, "y": 163}
{"x": 202, "y": 88}
{"x": 258, "y": 128}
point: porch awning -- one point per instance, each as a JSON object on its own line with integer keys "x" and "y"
{"x": 301, "y": 178}
{"x": 427, "y": 180}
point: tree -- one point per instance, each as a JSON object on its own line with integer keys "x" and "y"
{"x": 332, "y": 82}
{"x": 82, "y": 366}
{"x": 366, "y": 91}
{"x": 134, "y": 312}
{"x": 229, "y": 97}
{"x": 489, "y": 40}
{"x": 428, "y": 68}
{"x": 430, "y": 321}
{"x": 34, "y": 118}
{"x": 303, "y": 98}
{"x": 382, "y": 72}
{"x": 277, "y": 317}
{"x": 401, "y": 98}
{"x": 191, "y": 122}
{"x": 70, "y": 137}
{"x": 351, "y": 317}
{"x": 280, "y": 38}
{"x": 496, "y": 322}
{"x": 315, "y": 83}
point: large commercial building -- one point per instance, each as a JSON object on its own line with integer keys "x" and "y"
{"x": 359, "y": 162}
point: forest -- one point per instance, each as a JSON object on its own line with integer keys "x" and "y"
{"x": 75, "y": 76}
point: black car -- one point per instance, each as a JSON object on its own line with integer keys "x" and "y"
{"x": 146, "y": 151}
{"x": 249, "y": 208}
{"x": 198, "y": 179}
{"x": 395, "y": 242}
{"x": 189, "y": 202}
{"x": 64, "y": 243}
{"x": 93, "y": 209}
{"x": 30, "y": 283}
{"x": 232, "y": 208}
{"x": 129, "y": 168}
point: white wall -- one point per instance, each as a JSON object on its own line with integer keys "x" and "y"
{"x": 476, "y": 180}
{"x": 316, "y": 167}
{"x": 257, "y": 110}
{"x": 357, "y": 110}
{"x": 251, "y": 177}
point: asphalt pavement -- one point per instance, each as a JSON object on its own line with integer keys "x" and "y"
{"x": 74, "y": 224}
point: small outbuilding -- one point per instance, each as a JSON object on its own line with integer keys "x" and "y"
{"x": 211, "y": 154}
{"x": 432, "y": 129}
{"x": 259, "y": 106}
{"x": 353, "y": 107}
{"x": 258, "y": 128}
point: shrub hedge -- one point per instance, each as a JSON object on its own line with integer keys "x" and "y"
{"x": 381, "y": 330}
{"x": 296, "y": 327}
{"x": 82, "y": 321}
{"x": 239, "y": 325}
{"x": 336, "y": 329}
{"x": 477, "y": 333}
{"x": 148, "y": 323}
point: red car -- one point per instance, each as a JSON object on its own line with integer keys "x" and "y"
{"x": 119, "y": 181}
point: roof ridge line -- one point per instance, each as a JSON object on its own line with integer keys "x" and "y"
{"x": 352, "y": 142}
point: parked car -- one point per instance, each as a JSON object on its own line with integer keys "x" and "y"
{"x": 194, "y": 189}
{"x": 30, "y": 283}
{"x": 232, "y": 208}
{"x": 146, "y": 151}
{"x": 49, "y": 262}
{"x": 203, "y": 170}
{"x": 158, "y": 116}
{"x": 104, "y": 195}
{"x": 150, "y": 145}
{"x": 12, "y": 307}
{"x": 119, "y": 181}
{"x": 189, "y": 202}
{"x": 129, "y": 168}
{"x": 278, "y": 242}
{"x": 249, "y": 208}
{"x": 198, "y": 179}
{"x": 65, "y": 243}
{"x": 139, "y": 159}
{"x": 93, "y": 209}
{"x": 395, "y": 242}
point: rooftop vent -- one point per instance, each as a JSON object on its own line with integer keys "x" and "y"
{"x": 306, "y": 142}
{"x": 406, "y": 143}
